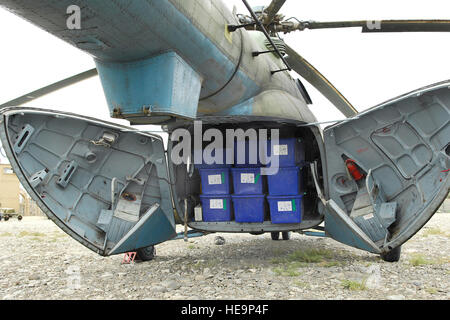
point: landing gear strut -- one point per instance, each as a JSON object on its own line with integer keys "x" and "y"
{"x": 276, "y": 235}
{"x": 286, "y": 235}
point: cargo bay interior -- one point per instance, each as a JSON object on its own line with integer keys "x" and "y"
{"x": 237, "y": 198}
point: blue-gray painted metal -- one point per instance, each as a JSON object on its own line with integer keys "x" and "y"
{"x": 84, "y": 207}
{"x": 314, "y": 234}
{"x": 190, "y": 234}
{"x": 153, "y": 228}
{"x": 195, "y": 30}
{"x": 161, "y": 85}
{"x": 404, "y": 144}
{"x": 340, "y": 227}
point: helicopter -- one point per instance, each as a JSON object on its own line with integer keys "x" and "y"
{"x": 371, "y": 181}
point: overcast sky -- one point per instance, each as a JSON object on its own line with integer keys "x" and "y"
{"x": 367, "y": 68}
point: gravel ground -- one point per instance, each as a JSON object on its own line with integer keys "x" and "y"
{"x": 38, "y": 261}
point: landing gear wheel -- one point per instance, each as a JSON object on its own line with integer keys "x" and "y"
{"x": 286, "y": 235}
{"x": 275, "y": 235}
{"x": 393, "y": 255}
{"x": 146, "y": 254}
{"x": 19, "y": 218}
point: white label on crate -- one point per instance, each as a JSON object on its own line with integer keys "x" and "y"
{"x": 216, "y": 203}
{"x": 247, "y": 178}
{"x": 198, "y": 213}
{"x": 285, "y": 206}
{"x": 280, "y": 150}
{"x": 215, "y": 179}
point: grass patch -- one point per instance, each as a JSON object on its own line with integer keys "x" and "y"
{"x": 191, "y": 246}
{"x": 431, "y": 290}
{"x": 420, "y": 260}
{"x": 353, "y": 285}
{"x": 434, "y": 232}
{"x": 31, "y": 234}
{"x": 302, "y": 258}
{"x": 310, "y": 255}
{"x": 6, "y": 234}
{"x": 289, "y": 265}
{"x": 59, "y": 234}
{"x": 290, "y": 270}
{"x": 300, "y": 284}
{"x": 200, "y": 265}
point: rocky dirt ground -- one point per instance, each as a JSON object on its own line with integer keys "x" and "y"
{"x": 38, "y": 261}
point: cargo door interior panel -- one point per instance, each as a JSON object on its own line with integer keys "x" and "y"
{"x": 386, "y": 166}
{"x": 95, "y": 180}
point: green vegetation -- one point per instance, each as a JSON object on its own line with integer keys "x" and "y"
{"x": 6, "y": 234}
{"x": 31, "y": 234}
{"x": 302, "y": 258}
{"x": 435, "y": 232}
{"x": 300, "y": 284}
{"x": 200, "y": 265}
{"x": 420, "y": 260}
{"x": 353, "y": 285}
{"x": 290, "y": 270}
{"x": 431, "y": 290}
{"x": 289, "y": 265}
{"x": 310, "y": 255}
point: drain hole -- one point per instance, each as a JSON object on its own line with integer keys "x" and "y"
{"x": 91, "y": 157}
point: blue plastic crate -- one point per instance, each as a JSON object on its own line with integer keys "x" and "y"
{"x": 216, "y": 208}
{"x": 247, "y": 181}
{"x": 250, "y": 158}
{"x": 249, "y": 208}
{"x": 289, "y": 151}
{"x": 285, "y": 209}
{"x": 285, "y": 182}
{"x": 215, "y": 181}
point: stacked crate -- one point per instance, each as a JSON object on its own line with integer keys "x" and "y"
{"x": 216, "y": 190}
{"x": 285, "y": 189}
{"x": 248, "y": 198}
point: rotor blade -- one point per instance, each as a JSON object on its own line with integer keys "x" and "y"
{"x": 385, "y": 25}
{"x": 408, "y": 26}
{"x": 273, "y": 9}
{"x": 317, "y": 80}
{"x": 51, "y": 88}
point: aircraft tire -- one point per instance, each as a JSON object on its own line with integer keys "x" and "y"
{"x": 393, "y": 255}
{"x": 286, "y": 235}
{"x": 275, "y": 235}
{"x": 146, "y": 254}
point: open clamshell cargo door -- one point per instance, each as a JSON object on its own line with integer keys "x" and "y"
{"x": 387, "y": 170}
{"x": 103, "y": 184}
